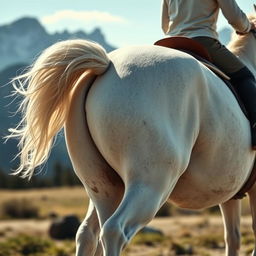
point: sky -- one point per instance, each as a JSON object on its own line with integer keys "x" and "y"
{"x": 122, "y": 22}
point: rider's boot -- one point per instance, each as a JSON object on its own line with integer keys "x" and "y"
{"x": 245, "y": 85}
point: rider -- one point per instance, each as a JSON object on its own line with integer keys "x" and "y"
{"x": 197, "y": 19}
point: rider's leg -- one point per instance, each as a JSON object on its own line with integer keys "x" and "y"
{"x": 220, "y": 55}
{"x": 242, "y": 79}
{"x": 245, "y": 85}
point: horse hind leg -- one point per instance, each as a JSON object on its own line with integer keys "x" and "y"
{"x": 252, "y": 198}
{"x": 144, "y": 195}
{"x": 231, "y": 211}
{"x": 103, "y": 202}
{"x": 88, "y": 232}
{"x": 133, "y": 213}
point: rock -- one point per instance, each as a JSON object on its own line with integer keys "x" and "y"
{"x": 151, "y": 230}
{"x": 53, "y": 215}
{"x": 64, "y": 227}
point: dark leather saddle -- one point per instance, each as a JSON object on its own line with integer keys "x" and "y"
{"x": 199, "y": 52}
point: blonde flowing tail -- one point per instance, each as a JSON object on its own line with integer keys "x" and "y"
{"x": 47, "y": 88}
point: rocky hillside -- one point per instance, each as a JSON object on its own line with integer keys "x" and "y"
{"x": 8, "y": 107}
{"x": 22, "y": 40}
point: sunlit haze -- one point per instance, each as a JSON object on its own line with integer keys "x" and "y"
{"x": 122, "y": 22}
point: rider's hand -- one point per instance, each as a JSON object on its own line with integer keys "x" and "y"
{"x": 253, "y": 25}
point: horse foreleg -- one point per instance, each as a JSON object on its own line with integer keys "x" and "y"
{"x": 231, "y": 211}
{"x": 252, "y": 197}
{"x": 88, "y": 233}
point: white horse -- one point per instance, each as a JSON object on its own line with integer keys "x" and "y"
{"x": 143, "y": 125}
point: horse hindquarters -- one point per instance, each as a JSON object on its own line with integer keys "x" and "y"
{"x": 102, "y": 184}
{"x": 149, "y": 173}
{"x": 149, "y": 164}
{"x": 142, "y": 145}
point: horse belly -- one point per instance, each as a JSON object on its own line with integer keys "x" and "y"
{"x": 189, "y": 193}
{"x": 212, "y": 177}
{"x": 221, "y": 159}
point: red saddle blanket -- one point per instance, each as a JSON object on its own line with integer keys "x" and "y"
{"x": 185, "y": 44}
{"x": 193, "y": 48}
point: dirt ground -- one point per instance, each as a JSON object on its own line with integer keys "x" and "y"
{"x": 183, "y": 235}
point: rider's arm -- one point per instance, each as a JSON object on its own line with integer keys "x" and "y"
{"x": 165, "y": 17}
{"x": 235, "y": 16}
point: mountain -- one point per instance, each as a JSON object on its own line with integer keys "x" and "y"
{"x": 22, "y": 40}
{"x": 8, "y": 107}
{"x": 225, "y": 35}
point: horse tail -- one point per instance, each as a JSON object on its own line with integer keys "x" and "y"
{"x": 47, "y": 89}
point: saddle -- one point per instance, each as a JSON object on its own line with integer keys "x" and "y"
{"x": 199, "y": 52}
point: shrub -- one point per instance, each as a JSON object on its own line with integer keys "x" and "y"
{"x": 149, "y": 239}
{"x": 214, "y": 210}
{"x": 24, "y": 245}
{"x": 212, "y": 241}
{"x": 165, "y": 211}
{"x": 247, "y": 239}
{"x": 19, "y": 209}
{"x": 182, "y": 249}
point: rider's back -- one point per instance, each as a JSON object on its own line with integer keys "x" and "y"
{"x": 195, "y": 18}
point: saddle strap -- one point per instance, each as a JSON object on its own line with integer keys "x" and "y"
{"x": 215, "y": 70}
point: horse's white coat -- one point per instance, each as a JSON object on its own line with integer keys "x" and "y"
{"x": 165, "y": 101}
{"x": 156, "y": 126}
{"x": 171, "y": 130}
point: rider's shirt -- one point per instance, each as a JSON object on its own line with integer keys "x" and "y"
{"x": 193, "y": 18}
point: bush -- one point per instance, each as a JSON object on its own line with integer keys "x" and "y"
{"x": 212, "y": 241}
{"x": 23, "y": 245}
{"x": 182, "y": 249}
{"x": 148, "y": 239}
{"x": 214, "y": 210}
{"x": 165, "y": 211}
{"x": 19, "y": 209}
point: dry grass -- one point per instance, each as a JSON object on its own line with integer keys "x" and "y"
{"x": 69, "y": 200}
{"x": 61, "y": 201}
{"x": 190, "y": 235}
{"x": 200, "y": 234}
{"x": 183, "y": 235}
